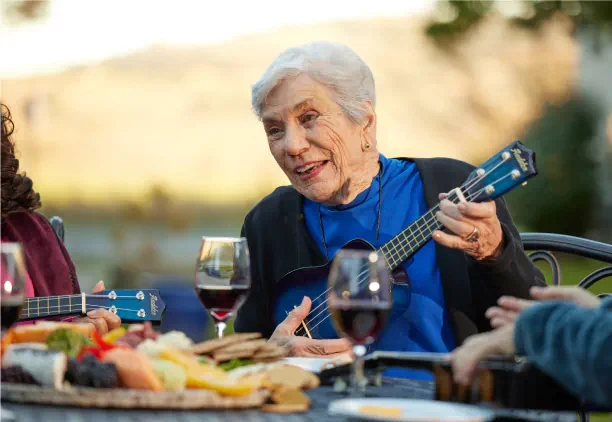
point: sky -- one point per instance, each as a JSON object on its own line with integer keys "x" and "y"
{"x": 87, "y": 31}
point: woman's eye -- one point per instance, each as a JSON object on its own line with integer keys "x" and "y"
{"x": 308, "y": 117}
{"x": 273, "y": 132}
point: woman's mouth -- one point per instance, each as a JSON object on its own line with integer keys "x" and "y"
{"x": 310, "y": 170}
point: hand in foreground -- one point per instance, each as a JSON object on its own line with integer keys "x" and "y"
{"x": 477, "y": 229}
{"x": 465, "y": 358}
{"x": 304, "y": 346}
{"x": 509, "y": 307}
{"x": 101, "y": 319}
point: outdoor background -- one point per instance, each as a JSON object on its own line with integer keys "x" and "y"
{"x": 133, "y": 118}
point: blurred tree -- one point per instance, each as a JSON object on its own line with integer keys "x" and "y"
{"x": 18, "y": 11}
{"x": 564, "y": 196}
{"x": 160, "y": 202}
{"x": 454, "y": 18}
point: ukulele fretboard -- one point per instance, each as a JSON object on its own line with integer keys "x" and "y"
{"x": 48, "y": 306}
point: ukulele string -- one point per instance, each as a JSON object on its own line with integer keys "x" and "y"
{"x": 93, "y": 296}
{"x": 427, "y": 223}
{"x": 476, "y": 195}
{"x": 326, "y": 291}
{"x": 61, "y": 308}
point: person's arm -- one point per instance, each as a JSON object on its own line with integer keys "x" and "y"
{"x": 510, "y": 274}
{"x": 252, "y": 317}
{"x": 571, "y": 344}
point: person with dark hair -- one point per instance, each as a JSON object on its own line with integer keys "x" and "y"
{"x": 50, "y": 271}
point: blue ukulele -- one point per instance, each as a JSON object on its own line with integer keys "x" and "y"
{"x": 509, "y": 168}
{"x": 132, "y": 306}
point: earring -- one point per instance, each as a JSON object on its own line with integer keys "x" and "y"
{"x": 367, "y": 145}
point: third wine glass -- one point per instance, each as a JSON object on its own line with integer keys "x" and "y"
{"x": 223, "y": 277}
{"x": 360, "y": 302}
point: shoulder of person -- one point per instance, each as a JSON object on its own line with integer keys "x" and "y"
{"x": 270, "y": 207}
{"x": 26, "y": 221}
{"x": 442, "y": 167}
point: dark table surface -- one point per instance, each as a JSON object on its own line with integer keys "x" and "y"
{"x": 321, "y": 398}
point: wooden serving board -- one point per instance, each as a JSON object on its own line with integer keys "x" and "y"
{"x": 122, "y": 398}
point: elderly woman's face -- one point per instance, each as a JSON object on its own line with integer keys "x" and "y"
{"x": 318, "y": 147}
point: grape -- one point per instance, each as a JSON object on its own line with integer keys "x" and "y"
{"x": 16, "y": 374}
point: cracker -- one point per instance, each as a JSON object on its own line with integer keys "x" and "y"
{"x": 212, "y": 345}
{"x": 251, "y": 346}
{"x": 286, "y": 395}
{"x": 223, "y": 357}
{"x": 285, "y": 408}
{"x": 290, "y": 376}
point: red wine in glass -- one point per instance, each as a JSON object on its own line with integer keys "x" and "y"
{"x": 11, "y": 309}
{"x": 361, "y": 323}
{"x": 222, "y": 302}
{"x": 223, "y": 277}
{"x": 360, "y": 301}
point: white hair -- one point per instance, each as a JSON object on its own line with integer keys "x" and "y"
{"x": 334, "y": 65}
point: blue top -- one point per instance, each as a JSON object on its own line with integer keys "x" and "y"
{"x": 572, "y": 345}
{"x": 419, "y": 320}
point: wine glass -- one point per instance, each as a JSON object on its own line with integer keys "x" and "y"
{"x": 12, "y": 288}
{"x": 360, "y": 302}
{"x": 12, "y": 283}
{"x": 223, "y": 277}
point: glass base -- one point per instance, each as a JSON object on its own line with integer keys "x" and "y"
{"x": 359, "y": 380}
{"x": 220, "y": 327}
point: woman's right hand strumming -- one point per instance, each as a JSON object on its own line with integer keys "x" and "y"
{"x": 284, "y": 334}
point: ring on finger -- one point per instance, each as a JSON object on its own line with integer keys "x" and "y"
{"x": 473, "y": 237}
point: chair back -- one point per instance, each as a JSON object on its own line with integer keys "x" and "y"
{"x": 58, "y": 227}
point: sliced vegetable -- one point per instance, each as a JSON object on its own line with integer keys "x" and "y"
{"x": 101, "y": 343}
{"x": 235, "y": 363}
{"x": 113, "y": 335}
{"x": 90, "y": 350}
{"x": 68, "y": 341}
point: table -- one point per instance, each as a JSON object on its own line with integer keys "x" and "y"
{"x": 321, "y": 397}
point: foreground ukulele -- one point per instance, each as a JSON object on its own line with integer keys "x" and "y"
{"x": 511, "y": 167}
{"x": 132, "y": 306}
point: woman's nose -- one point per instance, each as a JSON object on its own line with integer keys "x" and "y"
{"x": 295, "y": 142}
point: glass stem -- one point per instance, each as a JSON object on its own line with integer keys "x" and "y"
{"x": 358, "y": 372}
{"x": 220, "y": 328}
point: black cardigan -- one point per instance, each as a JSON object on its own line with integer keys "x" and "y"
{"x": 279, "y": 242}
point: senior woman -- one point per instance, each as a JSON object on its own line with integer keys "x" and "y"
{"x": 317, "y": 105}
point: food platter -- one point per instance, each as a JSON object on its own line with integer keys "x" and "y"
{"x": 121, "y": 398}
{"x": 137, "y": 368}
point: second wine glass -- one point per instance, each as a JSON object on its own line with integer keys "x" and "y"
{"x": 360, "y": 301}
{"x": 223, "y": 277}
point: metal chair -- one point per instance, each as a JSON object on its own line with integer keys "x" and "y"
{"x": 544, "y": 244}
{"x": 58, "y": 226}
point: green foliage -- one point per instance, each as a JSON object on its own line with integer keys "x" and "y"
{"x": 563, "y": 196}
{"x": 465, "y": 15}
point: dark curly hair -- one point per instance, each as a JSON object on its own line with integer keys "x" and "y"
{"x": 17, "y": 191}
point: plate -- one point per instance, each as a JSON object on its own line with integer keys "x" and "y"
{"x": 315, "y": 365}
{"x": 408, "y": 410}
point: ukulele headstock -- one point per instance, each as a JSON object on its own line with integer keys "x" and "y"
{"x": 512, "y": 166}
{"x": 132, "y": 306}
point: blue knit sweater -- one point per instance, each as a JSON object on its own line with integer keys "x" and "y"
{"x": 571, "y": 344}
